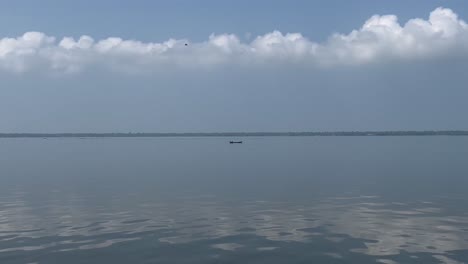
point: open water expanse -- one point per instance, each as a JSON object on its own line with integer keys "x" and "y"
{"x": 202, "y": 200}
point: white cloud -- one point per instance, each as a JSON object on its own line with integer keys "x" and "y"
{"x": 381, "y": 38}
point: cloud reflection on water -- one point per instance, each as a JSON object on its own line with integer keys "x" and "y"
{"x": 386, "y": 228}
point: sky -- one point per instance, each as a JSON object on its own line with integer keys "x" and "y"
{"x": 224, "y": 66}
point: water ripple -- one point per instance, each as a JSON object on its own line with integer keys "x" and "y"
{"x": 384, "y": 228}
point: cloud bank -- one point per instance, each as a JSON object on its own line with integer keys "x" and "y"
{"x": 380, "y": 39}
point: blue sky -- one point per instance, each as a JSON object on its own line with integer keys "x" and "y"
{"x": 159, "y": 20}
{"x": 67, "y": 74}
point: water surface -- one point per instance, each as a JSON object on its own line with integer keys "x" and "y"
{"x": 202, "y": 200}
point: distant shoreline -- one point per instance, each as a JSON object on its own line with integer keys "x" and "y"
{"x": 236, "y": 134}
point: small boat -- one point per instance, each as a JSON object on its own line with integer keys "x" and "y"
{"x": 235, "y": 142}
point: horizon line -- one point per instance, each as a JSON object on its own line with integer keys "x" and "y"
{"x": 240, "y": 134}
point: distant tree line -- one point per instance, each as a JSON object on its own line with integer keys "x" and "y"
{"x": 237, "y": 134}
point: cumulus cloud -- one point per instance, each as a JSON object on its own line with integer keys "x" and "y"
{"x": 381, "y": 38}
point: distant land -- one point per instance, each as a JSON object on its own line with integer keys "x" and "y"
{"x": 237, "y": 134}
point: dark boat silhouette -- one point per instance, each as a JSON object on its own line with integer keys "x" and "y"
{"x": 235, "y": 142}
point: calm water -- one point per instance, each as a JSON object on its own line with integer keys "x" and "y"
{"x": 202, "y": 200}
